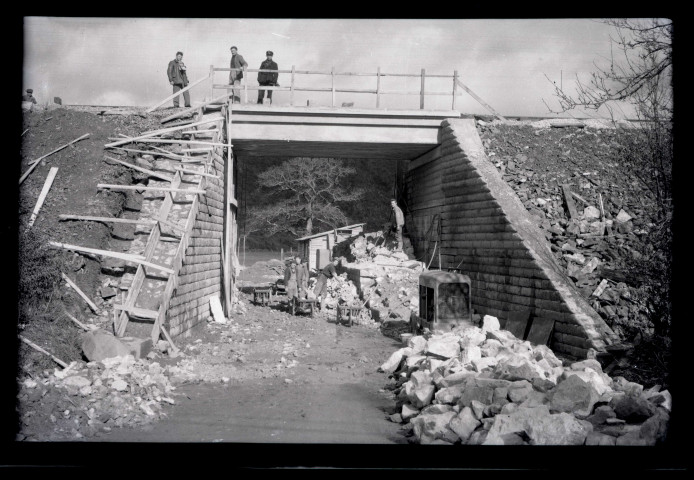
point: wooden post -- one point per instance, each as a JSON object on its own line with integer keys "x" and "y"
{"x": 455, "y": 88}
{"x": 245, "y": 86}
{"x": 229, "y": 221}
{"x": 291, "y": 89}
{"x": 332, "y": 78}
{"x": 482, "y": 102}
{"x": 570, "y": 205}
{"x": 42, "y": 196}
{"x": 421, "y": 94}
{"x": 39, "y": 349}
{"x": 211, "y": 81}
{"x": 378, "y": 87}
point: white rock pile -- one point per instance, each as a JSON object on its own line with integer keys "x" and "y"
{"x": 483, "y": 386}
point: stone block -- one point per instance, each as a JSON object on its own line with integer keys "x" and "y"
{"x": 517, "y": 368}
{"x": 408, "y": 411}
{"x": 484, "y": 363}
{"x": 632, "y": 408}
{"x": 137, "y": 347}
{"x": 490, "y": 323}
{"x": 490, "y": 347}
{"x": 558, "y": 429}
{"x": 429, "y": 428}
{"x": 477, "y": 408}
{"x": 589, "y": 376}
{"x": 515, "y": 422}
{"x": 99, "y": 344}
{"x": 481, "y": 394}
{"x": 470, "y": 354}
{"x": 654, "y": 430}
{"x": 418, "y": 344}
{"x": 436, "y": 409}
{"x": 601, "y": 414}
{"x": 519, "y": 391}
{"x": 535, "y": 399}
{"x": 443, "y": 346}
{"x": 123, "y": 231}
{"x": 574, "y": 395}
{"x": 450, "y": 395}
{"x": 662, "y": 399}
{"x": 393, "y": 362}
{"x": 464, "y": 424}
{"x": 456, "y": 378}
{"x": 600, "y": 439}
{"x": 471, "y": 337}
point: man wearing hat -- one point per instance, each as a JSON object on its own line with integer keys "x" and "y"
{"x": 267, "y": 79}
{"x": 178, "y": 78}
{"x": 237, "y": 63}
{"x": 29, "y": 97}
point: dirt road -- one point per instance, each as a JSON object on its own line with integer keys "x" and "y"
{"x": 272, "y": 377}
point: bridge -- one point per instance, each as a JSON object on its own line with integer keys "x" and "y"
{"x": 481, "y": 225}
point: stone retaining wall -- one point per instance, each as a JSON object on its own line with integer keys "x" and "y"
{"x": 486, "y": 231}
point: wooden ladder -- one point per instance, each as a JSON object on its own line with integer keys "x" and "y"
{"x": 158, "y": 316}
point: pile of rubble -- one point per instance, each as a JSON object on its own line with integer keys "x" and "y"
{"x": 483, "y": 386}
{"x": 87, "y": 398}
{"x": 595, "y": 214}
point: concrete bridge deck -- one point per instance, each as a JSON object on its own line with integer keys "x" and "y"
{"x": 261, "y": 130}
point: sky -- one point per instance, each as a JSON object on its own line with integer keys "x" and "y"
{"x": 508, "y": 63}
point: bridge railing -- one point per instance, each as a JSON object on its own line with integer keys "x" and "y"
{"x": 378, "y": 91}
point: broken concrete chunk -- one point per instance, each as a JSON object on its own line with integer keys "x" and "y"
{"x": 573, "y": 395}
{"x": 408, "y": 411}
{"x": 98, "y": 345}
{"x": 464, "y": 424}
{"x": 443, "y": 346}
{"x": 429, "y": 428}
{"x": 123, "y": 231}
{"x": 490, "y": 323}
{"x": 390, "y": 365}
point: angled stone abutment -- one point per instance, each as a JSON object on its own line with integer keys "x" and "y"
{"x": 486, "y": 231}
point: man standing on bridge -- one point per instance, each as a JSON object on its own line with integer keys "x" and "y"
{"x": 235, "y": 76}
{"x": 267, "y": 79}
{"x": 178, "y": 78}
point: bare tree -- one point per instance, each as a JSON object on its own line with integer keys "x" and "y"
{"x": 640, "y": 71}
{"x": 306, "y": 192}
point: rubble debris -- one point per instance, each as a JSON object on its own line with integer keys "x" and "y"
{"x": 524, "y": 396}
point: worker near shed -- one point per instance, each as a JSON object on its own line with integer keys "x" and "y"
{"x": 29, "y": 97}
{"x": 178, "y": 78}
{"x": 267, "y": 79}
{"x": 398, "y": 222}
{"x": 301, "y": 277}
{"x": 321, "y": 289}
{"x": 237, "y": 61}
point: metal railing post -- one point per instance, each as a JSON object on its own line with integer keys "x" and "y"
{"x": 421, "y": 95}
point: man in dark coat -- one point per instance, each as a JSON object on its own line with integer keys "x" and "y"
{"x": 267, "y": 79}
{"x": 178, "y": 78}
{"x": 235, "y": 76}
{"x": 29, "y": 97}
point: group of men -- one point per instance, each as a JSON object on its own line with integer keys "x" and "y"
{"x": 267, "y": 76}
{"x": 296, "y": 274}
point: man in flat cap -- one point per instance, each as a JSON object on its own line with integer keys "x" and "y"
{"x": 29, "y": 97}
{"x": 178, "y": 78}
{"x": 267, "y": 79}
{"x": 237, "y": 62}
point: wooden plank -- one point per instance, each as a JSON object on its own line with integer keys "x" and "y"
{"x": 42, "y": 196}
{"x": 154, "y": 133}
{"x": 540, "y": 330}
{"x": 517, "y": 322}
{"x": 225, "y": 279}
{"x": 37, "y": 348}
{"x": 137, "y": 311}
{"x": 79, "y": 324}
{"x": 150, "y": 189}
{"x": 188, "y": 110}
{"x": 172, "y": 96}
{"x": 151, "y": 173}
{"x": 138, "y": 221}
{"x": 106, "y": 253}
{"x": 91, "y": 304}
{"x": 168, "y": 339}
{"x": 482, "y": 102}
{"x": 36, "y": 162}
{"x": 570, "y": 204}
{"x": 173, "y": 156}
{"x": 191, "y": 142}
{"x": 193, "y": 172}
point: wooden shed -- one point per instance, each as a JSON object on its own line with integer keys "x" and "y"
{"x": 308, "y": 246}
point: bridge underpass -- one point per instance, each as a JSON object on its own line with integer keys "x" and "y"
{"x": 486, "y": 230}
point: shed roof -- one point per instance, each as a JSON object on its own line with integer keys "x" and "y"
{"x": 330, "y": 231}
